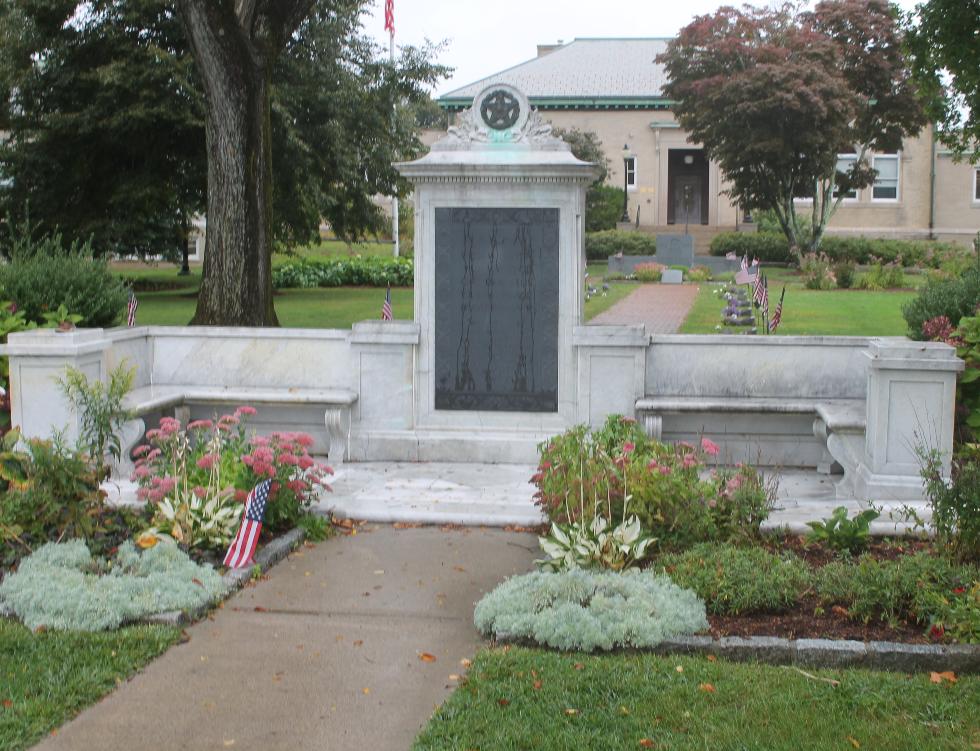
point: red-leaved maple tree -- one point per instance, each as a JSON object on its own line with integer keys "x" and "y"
{"x": 775, "y": 94}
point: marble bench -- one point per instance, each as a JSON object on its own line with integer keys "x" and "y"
{"x": 145, "y": 400}
{"x": 839, "y": 424}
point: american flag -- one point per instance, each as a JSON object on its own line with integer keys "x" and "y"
{"x": 386, "y": 306}
{"x": 765, "y": 297}
{"x": 390, "y": 16}
{"x": 777, "y": 315}
{"x": 131, "y": 310}
{"x": 243, "y": 546}
{"x": 758, "y": 288}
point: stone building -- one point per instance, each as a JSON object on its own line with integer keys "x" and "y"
{"x": 613, "y": 87}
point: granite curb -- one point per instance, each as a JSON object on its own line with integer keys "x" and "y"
{"x": 234, "y": 579}
{"x": 830, "y": 653}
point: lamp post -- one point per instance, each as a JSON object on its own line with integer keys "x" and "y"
{"x": 626, "y": 159}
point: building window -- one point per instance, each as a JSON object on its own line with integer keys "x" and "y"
{"x": 976, "y": 185}
{"x": 886, "y": 182}
{"x": 631, "y": 172}
{"x": 844, "y": 164}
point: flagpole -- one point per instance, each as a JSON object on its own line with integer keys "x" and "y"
{"x": 394, "y": 198}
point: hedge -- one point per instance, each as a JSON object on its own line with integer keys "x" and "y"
{"x": 954, "y": 298}
{"x": 370, "y": 271}
{"x": 600, "y": 245}
{"x": 774, "y": 248}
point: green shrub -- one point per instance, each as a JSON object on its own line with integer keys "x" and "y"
{"x": 734, "y": 580}
{"x": 588, "y": 610}
{"x": 600, "y": 245}
{"x": 366, "y": 271}
{"x": 883, "y": 276}
{"x": 844, "y": 273}
{"x": 586, "y": 473}
{"x": 954, "y": 298}
{"x": 890, "y": 590}
{"x": 49, "y": 492}
{"x": 100, "y": 410}
{"x": 956, "y": 503}
{"x": 603, "y": 208}
{"x": 772, "y": 247}
{"x": 648, "y": 272}
{"x": 815, "y": 268}
{"x": 60, "y": 586}
{"x": 956, "y": 613}
{"x": 85, "y": 286}
{"x": 698, "y": 274}
{"x": 768, "y": 247}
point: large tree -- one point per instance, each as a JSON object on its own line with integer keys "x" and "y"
{"x": 104, "y": 123}
{"x": 775, "y": 94}
{"x": 236, "y": 44}
{"x": 943, "y": 39}
{"x": 109, "y": 137}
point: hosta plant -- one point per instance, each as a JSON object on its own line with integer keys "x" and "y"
{"x": 842, "y": 533}
{"x": 208, "y": 522}
{"x": 594, "y": 545}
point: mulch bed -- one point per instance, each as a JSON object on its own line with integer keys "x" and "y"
{"x": 803, "y": 624}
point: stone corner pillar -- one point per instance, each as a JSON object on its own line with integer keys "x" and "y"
{"x": 38, "y": 360}
{"x": 611, "y": 364}
{"x": 910, "y": 407}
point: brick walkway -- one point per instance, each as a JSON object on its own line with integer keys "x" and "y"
{"x": 662, "y": 307}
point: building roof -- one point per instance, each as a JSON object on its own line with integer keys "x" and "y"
{"x": 585, "y": 73}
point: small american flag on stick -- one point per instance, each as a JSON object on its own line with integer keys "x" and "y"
{"x": 131, "y": 310}
{"x": 758, "y": 288}
{"x": 242, "y": 548}
{"x": 386, "y": 306}
{"x": 777, "y": 315}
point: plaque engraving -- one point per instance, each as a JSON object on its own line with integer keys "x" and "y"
{"x": 496, "y": 317}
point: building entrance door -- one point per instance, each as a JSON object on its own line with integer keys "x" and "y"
{"x": 687, "y": 199}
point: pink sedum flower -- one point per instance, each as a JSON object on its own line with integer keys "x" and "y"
{"x": 709, "y": 447}
{"x": 305, "y": 462}
{"x": 200, "y": 425}
{"x": 245, "y": 411}
{"x": 208, "y": 461}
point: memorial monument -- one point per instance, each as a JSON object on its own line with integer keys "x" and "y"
{"x": 499, "y": 223}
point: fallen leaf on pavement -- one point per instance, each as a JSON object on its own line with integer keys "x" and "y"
{"x": 453, "y": 677}
{"x": 465, "y": 663}
{"x": 359, "y": 642}
{"x": 229, "y": 742}
{"x": 460, "y": 569}
{"x": 260, "y": 609}
{"x": 365, "y": 691}
{"x": 426, "y": 657}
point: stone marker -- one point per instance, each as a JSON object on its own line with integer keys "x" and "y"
{"x": 672, "y": 276}
{"x": 675, "y": 250}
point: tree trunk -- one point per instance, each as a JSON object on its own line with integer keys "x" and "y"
{"x": 234, "y": 46}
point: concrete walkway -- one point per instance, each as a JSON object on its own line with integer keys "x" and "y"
{"x": 661, "y": 307}
{"x": 323, "y": 654}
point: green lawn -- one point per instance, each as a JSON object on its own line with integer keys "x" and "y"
{"x": 535, "y": 699}
{"x": 832, "y": 312}
{"x": 47, "y": 678}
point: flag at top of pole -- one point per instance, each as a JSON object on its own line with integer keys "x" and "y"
{"x": 390, "y": 16}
